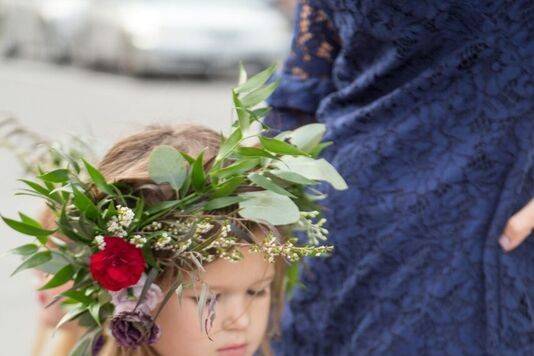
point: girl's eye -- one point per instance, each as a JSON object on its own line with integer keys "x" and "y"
{"x": 210, "y": 299}
{"x": 258, "y": 293}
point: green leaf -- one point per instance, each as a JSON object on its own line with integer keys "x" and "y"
{"x": 164, "y": 205}
{"x": 71, "y": 314}
{"x": 236, "y": 168}
{"x": 78, "y": 296}
{"x": 268, "y": 184}
{"x": 282, "y": 147}
{"x": 36, "y": 187}
{"x": 316, "y": 151}
{"x": 269, "y": 206}
{"x": 227, "y": 187}
{"x": 316, "y": 169}
{"x": 56, "y": 263}
{"x": 28, "y": 220}
{"x": 229, "y": 144}
{"x": 291, "y": 279}
{"x": 84, "y": 346}
{"x": 259, "y": 95}
{"x": 84, "y": 204}
{"x": 98, "y": 179}
{"x": 307, "y": 137}
{"x": 61, "y": 277}
{"x": 34, "y": 260}
{"x": 256, "y": 81}
{"x": 242, "y": 114}
{"x": 149, "y": 256}
{"x": 242, "y": 74}
{"x": 292, "y": 177}
{"x": 167, "y": 165}
{"x": 219, "y": 203}
{"x": 198, "y": 176}
{"x": 260, "y": 113}
{"x": 255, "y": 152}
{"x": 24, "y": 250}
{"x": 27, "y": 229}
{"x": 94, "y": 310}
{"x": 56, "y": 176}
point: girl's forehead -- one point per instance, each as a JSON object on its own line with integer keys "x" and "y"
{"x": 251, "y": 270}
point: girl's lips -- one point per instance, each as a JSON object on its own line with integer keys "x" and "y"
{"x": 233, "y": 350}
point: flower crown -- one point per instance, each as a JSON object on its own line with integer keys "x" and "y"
{"x": 116, "y": 244}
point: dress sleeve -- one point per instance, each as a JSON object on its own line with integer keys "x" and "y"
{"x": 306, "y": 75}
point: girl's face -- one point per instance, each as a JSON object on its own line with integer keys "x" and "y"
{"x": 242, "y": 309}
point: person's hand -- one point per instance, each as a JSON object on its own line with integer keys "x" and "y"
{"x": 518, "y": 227}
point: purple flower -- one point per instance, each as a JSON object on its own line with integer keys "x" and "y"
{"x": 132, "y": 329}
{"x": 125, "y": 301}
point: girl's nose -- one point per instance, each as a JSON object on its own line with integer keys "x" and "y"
{"x": 237, "y": 317}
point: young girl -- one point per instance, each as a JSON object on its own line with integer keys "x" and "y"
{"x": 177, "y": 244}
{"x": 248, "y": 292}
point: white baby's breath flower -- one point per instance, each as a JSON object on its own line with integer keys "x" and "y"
{"x": 99, "y": 242}
{"x": 138, "y": 241}
{"x": 125, "y": 216}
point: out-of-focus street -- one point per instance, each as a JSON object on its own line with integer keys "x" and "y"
{"x": 56, "y": 101}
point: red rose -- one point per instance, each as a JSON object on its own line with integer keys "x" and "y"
{"x": 119, "y": 265}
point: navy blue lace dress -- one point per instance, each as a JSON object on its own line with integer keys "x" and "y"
{"x": 429, "y": 103}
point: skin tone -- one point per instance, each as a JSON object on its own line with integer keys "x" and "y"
{"x": 518, "y": 227}
{"x": 243, "y": 294}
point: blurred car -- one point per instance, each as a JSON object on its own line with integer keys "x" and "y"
{"x": 41, "y": 29}
{"x": 181, "y": 36}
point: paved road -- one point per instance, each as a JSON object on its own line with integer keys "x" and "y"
{"x": 58, "y": 101}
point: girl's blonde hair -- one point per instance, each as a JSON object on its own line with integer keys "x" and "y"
{"x": 127, "y": 162}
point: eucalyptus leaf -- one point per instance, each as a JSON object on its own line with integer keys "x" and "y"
{"x": 223, "y": 202}
{"x": 268, "y": 184}
{"x": 307, "y": 137}
{"x": 315, "y": 169}
{"x": 266, "y": 205}
{"x": 167, "y": 165}
{"x": 292, "y": 177}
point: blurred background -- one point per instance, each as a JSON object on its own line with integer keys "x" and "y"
{"x": 101, "y": 69}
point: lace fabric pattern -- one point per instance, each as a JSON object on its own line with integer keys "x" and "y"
{"x": 430, "y": 105}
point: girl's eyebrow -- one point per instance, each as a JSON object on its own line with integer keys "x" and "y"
{"x": 219, "y": 288}
{"x": 270, "y": 277}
